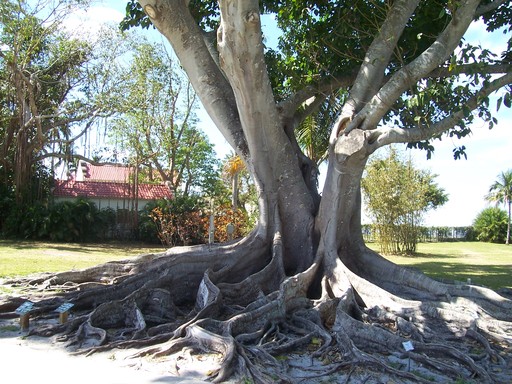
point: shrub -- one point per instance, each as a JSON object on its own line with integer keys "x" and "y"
{"x": 68, "y": 221}
{"x": 491, "y": 225}
{"x": 178, "y": 221}
{"x": 106, "y": 220}
{"x": 147, "y": 228}
{"x": 225, "y": 215}
{"x": 186, "y": 220}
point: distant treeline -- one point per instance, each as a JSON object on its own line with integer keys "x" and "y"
{"x": 429, "y": 234}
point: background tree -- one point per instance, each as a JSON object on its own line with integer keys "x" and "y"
{"x": 157, "y": 124}
{"x": 244, "y": 203}
{"x": 500, "y": 192}
{"x": 54, "y": 88}
{"x": 490, "y": 225}
{"x": 406, "y": 76}
{"x": 397, "y": 195}
{"x": 233, "y": 166}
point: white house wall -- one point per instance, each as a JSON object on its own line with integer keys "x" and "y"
{"x": 115, "y": 204}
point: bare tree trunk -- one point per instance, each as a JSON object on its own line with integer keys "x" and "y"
{"x": 234, "y": 192}
{"x": 23, "y": 167}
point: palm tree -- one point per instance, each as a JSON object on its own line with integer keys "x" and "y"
{"x": 232, "y": 168}
{"x": 500, "y": 192}
{"x": 313, "y": 132}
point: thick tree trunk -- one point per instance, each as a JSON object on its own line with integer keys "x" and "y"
{"x": 339, "y": 218}
{"x": 273, "y": 163}
{"x": 23, "y": 158}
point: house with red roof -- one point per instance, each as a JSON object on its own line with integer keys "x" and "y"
{"x": 109, "y": 186}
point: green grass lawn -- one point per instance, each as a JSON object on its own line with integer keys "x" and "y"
{"x": 484, "y": 263}
{"x": 20, "y": 258}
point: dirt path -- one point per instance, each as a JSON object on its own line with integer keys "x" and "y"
{"x": 40, "y": 360}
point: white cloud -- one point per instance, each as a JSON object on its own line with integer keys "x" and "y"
{"x": 87, "y": 23}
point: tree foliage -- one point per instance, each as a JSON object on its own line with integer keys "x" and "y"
{"x": 490, "y": 225}
{"x": 397, "y": 195}
{"x": 156, "y": 123}
{"x": 53, "y": 87}
{"x": 500, "y": 192}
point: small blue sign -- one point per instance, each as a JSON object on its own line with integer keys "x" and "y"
{"x": 408, "y": 346}
{"x": 24, "y": 308}
{"x": 64, "y": 307}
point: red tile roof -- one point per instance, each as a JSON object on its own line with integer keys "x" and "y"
{"x": 107, "y": 190}
{"x": 113, "y": 173}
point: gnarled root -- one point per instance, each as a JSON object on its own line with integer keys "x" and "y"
{"x": 328, "y": 321}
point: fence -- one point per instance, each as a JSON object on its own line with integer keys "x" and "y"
{"x": 428, "y": 234}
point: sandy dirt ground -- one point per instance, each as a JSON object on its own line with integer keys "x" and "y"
{"x": 31, "y": 359}
{"x": 44, "y": 361}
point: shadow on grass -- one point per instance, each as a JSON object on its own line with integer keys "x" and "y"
{"x": 28, "y": 245}
{"x": 77, "y": 247}
{"x": 492, "y": 276}
{"x": 420, "y": 255}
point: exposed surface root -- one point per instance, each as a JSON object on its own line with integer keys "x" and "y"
{"x": 269, "y": 327}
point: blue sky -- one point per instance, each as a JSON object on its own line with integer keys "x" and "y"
{"x": 466, "y": 181}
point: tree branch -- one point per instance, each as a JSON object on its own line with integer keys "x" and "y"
{"x": 380, "y": 51}
{"x": 77, "y": 136}
{"x": 173, "y": 19}
{"x": 386, "y": 135}
{"x": 484, "y": 8}
{"x": 422, "y": 66}
{"x": 376, "y": 60}
{"x": 67, "y": 156}
{"x": 289, "y": 106}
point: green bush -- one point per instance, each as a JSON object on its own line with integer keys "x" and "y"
{"x": 106, "y": 222}
{"x": 491, "y": 225}
{"x": 6, "y": 203}
{"x": 68, "y": 221}
{"x": 147, "y": 229}
{"x": 24, "y": 221}
{"x": 471, "y": 234}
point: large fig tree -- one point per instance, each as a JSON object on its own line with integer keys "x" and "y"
{"x": 304, "y": 276}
